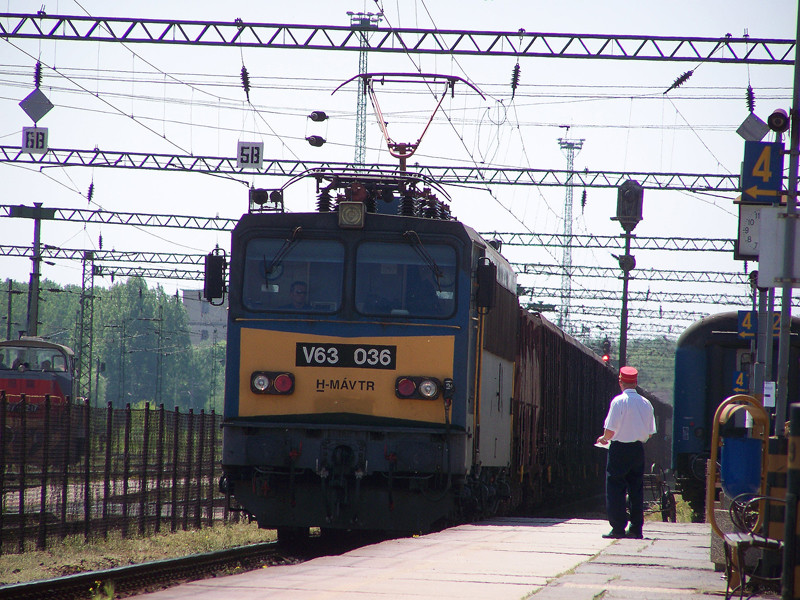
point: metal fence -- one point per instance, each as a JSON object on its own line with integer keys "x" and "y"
{"x": 67, "y": 468}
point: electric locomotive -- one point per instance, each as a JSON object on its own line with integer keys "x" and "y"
{"x": 33, "y": 371}
{"x": 362, "y": 389}
{"x": 381, "y": 374}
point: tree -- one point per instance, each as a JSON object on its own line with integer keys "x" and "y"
{"x": 141, "y": 337}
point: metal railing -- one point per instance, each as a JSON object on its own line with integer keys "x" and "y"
{"x": 67, "y": 469}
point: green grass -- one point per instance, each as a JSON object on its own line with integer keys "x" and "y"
{"x": 682, "y": 510}
{"x": 73, "y": 555}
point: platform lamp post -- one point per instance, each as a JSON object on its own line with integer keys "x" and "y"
{"x": 629, "y": 212}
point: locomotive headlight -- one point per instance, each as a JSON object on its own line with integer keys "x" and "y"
{"x": 351, "y": 214}
{"x": 260, "y": 382}
{"x": 428, "y": 388}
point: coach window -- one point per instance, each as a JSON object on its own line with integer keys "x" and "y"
{"x": 304, "y": 276}
{"x": 405, "y": 279}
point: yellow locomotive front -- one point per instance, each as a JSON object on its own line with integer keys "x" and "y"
{"x": 344, "y": 378}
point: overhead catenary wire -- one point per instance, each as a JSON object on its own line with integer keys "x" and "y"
{"x": 521, "y": 97}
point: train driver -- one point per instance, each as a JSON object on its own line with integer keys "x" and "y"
{"x": 19, "y": 362}
{"x": 298, "y": 296}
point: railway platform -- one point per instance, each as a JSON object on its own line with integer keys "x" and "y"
{"x": 499, "y": 559}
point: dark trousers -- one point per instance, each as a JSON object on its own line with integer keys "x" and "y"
{"x": 625, "y": 475}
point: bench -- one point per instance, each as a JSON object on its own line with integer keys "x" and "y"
{"x": 738, "y": 575}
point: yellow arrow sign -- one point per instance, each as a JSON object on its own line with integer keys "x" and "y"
{"x": 754, "y": 192}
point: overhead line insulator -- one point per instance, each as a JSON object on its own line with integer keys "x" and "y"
{"x": 680, "y": 81}
{"x": 515, "y": 73}
{"x": 751, "y": 99}
{"x": 246, "y": 82}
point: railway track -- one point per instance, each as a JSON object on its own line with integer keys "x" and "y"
{"x": 151, "y": 576}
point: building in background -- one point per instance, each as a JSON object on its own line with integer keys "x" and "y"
{"x": 207, "y": 323}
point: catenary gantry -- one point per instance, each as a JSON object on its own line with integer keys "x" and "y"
{"x": 399, "y": 40}
{"x": 547, "y": 240}
{"x": 448, "y": 175}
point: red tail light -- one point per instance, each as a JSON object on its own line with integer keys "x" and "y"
{"x": 284, "y": 383}
{"x": 406, "y": 387}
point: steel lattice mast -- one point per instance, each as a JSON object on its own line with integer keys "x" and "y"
{"x": 362, "y": 23}
{"x": 570, "y": 147}
{"x": 83, "y": 380}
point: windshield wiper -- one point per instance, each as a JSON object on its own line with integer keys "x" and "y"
{"x": 281, "y": 253}
{"x": 419, "y": 248}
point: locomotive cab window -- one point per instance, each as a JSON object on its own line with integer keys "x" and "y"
{"x": 26, "y": 358}
{"x": 405, "y": 280}
{"x": 298, "y": 276}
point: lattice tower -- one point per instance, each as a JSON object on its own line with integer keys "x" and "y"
{"x": 570, "y": 147}
{"x": 83, "y": 376}
{"x": 362, "y": 22}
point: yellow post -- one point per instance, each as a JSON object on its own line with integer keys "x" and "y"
{"x": 790, "y": 578}
{"x": 726, "y": 410}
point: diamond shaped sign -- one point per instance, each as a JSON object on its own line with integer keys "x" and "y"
{"x": 36, "y": 105}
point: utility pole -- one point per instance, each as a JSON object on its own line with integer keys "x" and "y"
{"x": 362, "y": 22}
{"x": 788, "y": 252}
{"x": 37, "y": 213}
{"x": 159, "y": 358}
{"x": 214, "y": 369}
{"x": 570, "y": 147}
{"x": 33, "y": 285}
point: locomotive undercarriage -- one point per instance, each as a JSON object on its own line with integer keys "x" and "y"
{"x": 401, "y": 481}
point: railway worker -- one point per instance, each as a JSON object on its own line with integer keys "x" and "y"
{"x": 630, "y": 422}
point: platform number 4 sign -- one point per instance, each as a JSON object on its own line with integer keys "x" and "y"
{"x": 250, "y": 155}
{"x": 762, "y": 172}
{"x": 34, "y": 140}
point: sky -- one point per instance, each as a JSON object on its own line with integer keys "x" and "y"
{"x": 189, "y": 100}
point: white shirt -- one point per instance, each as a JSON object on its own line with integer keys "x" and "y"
{"x": 630, "y": 417}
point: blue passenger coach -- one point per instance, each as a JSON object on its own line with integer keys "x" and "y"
{"x": 712, "y": 363}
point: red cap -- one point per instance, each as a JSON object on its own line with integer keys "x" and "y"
{"x": 628, "y": 375}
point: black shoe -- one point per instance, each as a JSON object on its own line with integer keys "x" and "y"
{"x": 614, "y": 535}
{"x": 635, "y": 534}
